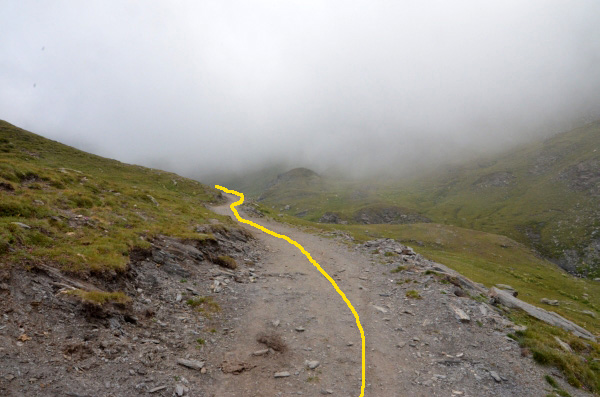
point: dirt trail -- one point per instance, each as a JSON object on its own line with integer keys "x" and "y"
{"x": 415, "y": 347}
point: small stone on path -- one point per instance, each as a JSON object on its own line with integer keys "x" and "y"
{"x": 193, "y": 364}
{"x": 495, "y": 376}
{"x": 460, "y": 314}
{"x": 312, "y": 364}
{"x": 283, "y": 374}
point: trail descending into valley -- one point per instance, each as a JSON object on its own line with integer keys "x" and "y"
{"x": 314, "y": 263}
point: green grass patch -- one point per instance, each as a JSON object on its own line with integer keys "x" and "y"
{"x": 413, "y": 294}
{"x": 204, "y": 304}
{"x": 100, "y": 297}
{"x": 226, "y": 261}
{"x": 581, "y": 368}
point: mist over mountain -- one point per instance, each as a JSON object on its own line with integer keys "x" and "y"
{"x": 368, "y": 88}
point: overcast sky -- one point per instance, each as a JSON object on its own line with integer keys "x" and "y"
{"x": 198, "y": 86}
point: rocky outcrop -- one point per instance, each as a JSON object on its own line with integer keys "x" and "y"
{"x": 583, "y": 177}
{"x": 496, "y": 179}
{"x": 330, "y": 217}
{"x": 506, "y": 299}
{"x": 394, "y": 215}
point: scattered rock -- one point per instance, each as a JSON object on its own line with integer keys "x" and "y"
{"x": 159, "y": 388}
{"x": 483, "y": 309}
{"x": 551, "y": 302}
{"x": 495, "y": 376}
{"x": 260, "y": 352}
{"x": 153, "y": 200}
{"x": 192, "y": 364}
{"x": 300, "y": 329}
{"x": 312, "y": 364}
{"x": 282, "y": 374}
{"x": 326, "y": 391}
{"x": 380, "y": 309}
{"x": 563, "y": 345}
{"x": 179, "y": 390}
{"x": 589, "y": 313}
{"x": 21, "y": 225}
{"x": 460, "y": 314}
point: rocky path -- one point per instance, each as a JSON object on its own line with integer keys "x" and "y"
{"x": 416, "y": 343}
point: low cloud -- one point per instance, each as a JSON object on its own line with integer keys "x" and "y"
{"x": 210, "y": 87}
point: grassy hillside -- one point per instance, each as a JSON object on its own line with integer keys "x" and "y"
{"x": 545, "y": 195}
{"x": 84, "y": 213}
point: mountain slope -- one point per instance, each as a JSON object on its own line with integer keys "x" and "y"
{"x": 546, "y": 195}
{"x": 81, "y": 212}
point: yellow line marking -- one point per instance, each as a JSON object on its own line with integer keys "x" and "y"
{"x": 315, "y": 264}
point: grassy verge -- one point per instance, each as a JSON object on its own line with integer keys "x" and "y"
{"x": 101, "y": 297}
{"x": 579, "y": 360}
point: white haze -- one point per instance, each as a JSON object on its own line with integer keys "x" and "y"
{"x": 203, "y": 87}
